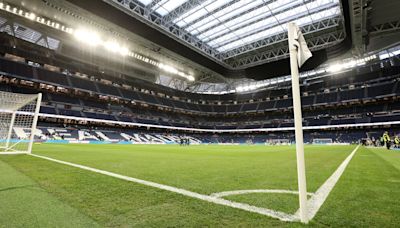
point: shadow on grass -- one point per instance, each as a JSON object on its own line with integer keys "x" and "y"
{"x": 16, "y": 187}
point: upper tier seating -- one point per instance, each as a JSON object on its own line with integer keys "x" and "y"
{"x": 50, "y": 76}
{"x": 82, "y": 83}
{"x": 358, "y": 96}
{"x": 320, "y": 98}
{"x": 16, "y": 68}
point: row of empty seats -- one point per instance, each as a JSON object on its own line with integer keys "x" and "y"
{"x": 390, "y": 88}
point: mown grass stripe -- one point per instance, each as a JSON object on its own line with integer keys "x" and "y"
{"x": 264, "y": 211}
{"x": 24, "y": 204}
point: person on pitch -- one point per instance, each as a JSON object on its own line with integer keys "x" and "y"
{"x": 397, "y": 141}
{"x": 386, "y": 139}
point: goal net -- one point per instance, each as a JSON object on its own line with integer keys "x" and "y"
{"x": 18, "y": 119}
{"x": 322, "y": 141}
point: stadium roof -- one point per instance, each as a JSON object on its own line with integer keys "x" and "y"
{"x": 224, "y": 41}
{"x": 239, "y": 34}
{"x": 226, "y": 25}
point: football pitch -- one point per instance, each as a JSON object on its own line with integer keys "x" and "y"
{"x": 37, "y": 192}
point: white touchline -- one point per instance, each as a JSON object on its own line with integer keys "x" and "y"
{"x": 319, "y": 197}
{"x": 264, "y": 211}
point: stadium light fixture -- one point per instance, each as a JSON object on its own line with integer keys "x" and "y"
{"x": 124, "y": 51}
{"x": 91, "y": 38}
{"x": 112, "y": 46}
{"x": 344, "y": 65}
{"x": 33, "y": 17}
{"x": 88, "y": 37}
{"x": 350, "y": 64}
{"x": 190, "y": 78}
{"x": 168, "y": 68}
{"x": 335, "y": 68}
{"x": 388, "y": 54}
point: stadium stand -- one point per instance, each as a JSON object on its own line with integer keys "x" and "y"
{"x": 85, "y": 92}
{"x": 116, "y": 135}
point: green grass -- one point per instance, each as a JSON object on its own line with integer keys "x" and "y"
{"x": 25, "y": 204}
{"x": 205, "y": 169}
{"x": 109, "y": 202}
{"x": 287, "y": 203}
{"x": 368, "y": 194}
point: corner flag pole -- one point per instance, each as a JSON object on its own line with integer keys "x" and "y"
{"x": 297, "y": 57}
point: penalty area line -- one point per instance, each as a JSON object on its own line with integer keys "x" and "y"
{"x": 212, "y": 199}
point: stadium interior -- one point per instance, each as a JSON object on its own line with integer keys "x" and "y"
{"x": 77, "y": 81}
{"x": 212, "y": 71}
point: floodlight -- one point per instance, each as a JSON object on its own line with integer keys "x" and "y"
{"x": 351, "y": 64}
{"x": 88, "y": 37}
{"x": 241, "y": 88}
{"x": 169, "y": 69}
{"x": 112, "y": 46}
{"x": 190, "y": 78}
{"x": 335, "y": 68}
{"x": 91, "y": 38}
{"x": 70, "y": 30}
{"x": 124, "y": 51}
{"x": 361, "y": 63}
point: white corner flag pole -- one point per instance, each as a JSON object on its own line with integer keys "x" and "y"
{"x": 297, "y": 58}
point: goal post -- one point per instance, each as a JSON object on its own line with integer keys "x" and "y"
{"x": 18, "y": 121}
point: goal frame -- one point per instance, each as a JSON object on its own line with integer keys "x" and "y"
{"x": 6, "y": 149}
